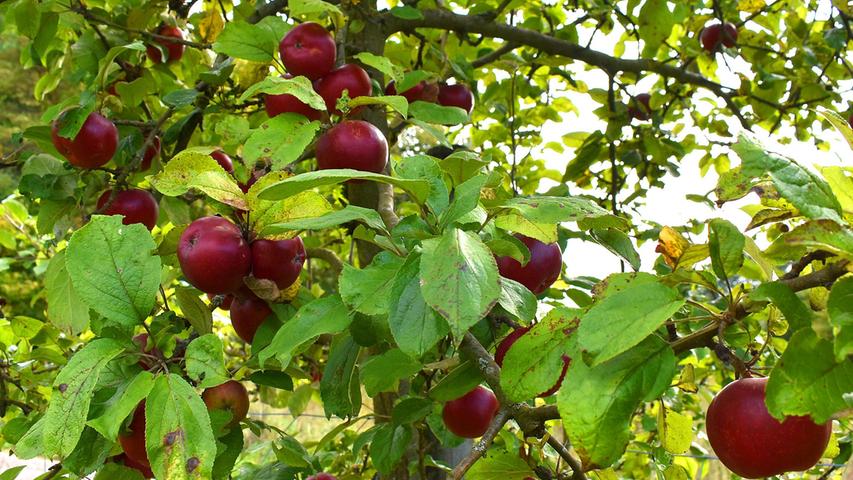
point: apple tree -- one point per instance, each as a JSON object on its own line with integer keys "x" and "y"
{"x": 373, "y": 206}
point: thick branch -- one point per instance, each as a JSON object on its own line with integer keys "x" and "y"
{"x": 328, "y": 256}
{"x": 385, "y": 205}
{"x": 574, "y": 463}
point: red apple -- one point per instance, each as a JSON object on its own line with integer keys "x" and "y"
{"x": 278, "y": 260}
{"x": 850, "y": 120}
{"x": 509, "y": 340}
{"x": 133, "y": 440}
{"x": 226, "y": 301}
{"x": 143, "y": 468}
{"x": 137, "y": 206}
{"x": 354, "y": 144}
{"x": 469, "y": 416}
{"x": 232, "y": 396}
{"x": 641, "y": 109}
{"x": 92, "y": 147}
{"x": 256, "y": 175}
{"x": 174, "y": 49}
{"x": 543, "y": 269}
{"x": 214, "y": 256}
{"x": 248, "y": 312}
{"x": 309, "y": 50}
{"x": 322, "y": 476}
{"x": 720, "y": 33}
{"x": 423, "y": 91}
{"x": 223, "y": 160}
{"x": 141, "y": 341}
{"x": 152, "y": 151}
{"x": 286, "y": 103}
{"x": 456, "y": 96}
{"x": 753, "y": 444}
{"x": 349, "y": 77}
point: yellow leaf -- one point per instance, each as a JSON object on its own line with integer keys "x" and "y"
{"x": 751, "y": 6}
{"x": 249, "y": 73}
{"x": 211, "y": 25}
{"x": 687, "y": 379}
{"x": 671, "y": 245}
{"x": 676, "y": 472}
{"x": 676, "y": 430}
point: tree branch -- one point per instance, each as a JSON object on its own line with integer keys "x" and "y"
{"x": 563, "y": 452}
{"x": 328, "y": 256}
{"x": 385, "y": 205}
{"x": 478, "y": 450}
{"x": 494, "y": 55}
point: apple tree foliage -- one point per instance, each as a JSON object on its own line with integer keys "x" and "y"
{"x": 402, "y": 303}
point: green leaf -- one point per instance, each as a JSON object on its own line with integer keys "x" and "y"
{"x": 367, "y": 290}
{"x": 388, "y": 446}
{"x": 407, "y": 12}
{"x": 655, "y": 24}
{"x": 815, "y": 235}
{"x": 466, "y": 197}
{"x": 796, "y": 312}
{"x": 676, "y": 431}
{"x": 840, "y": 310}
{"x": 12, "y": 473}
{"x": 623, "y": 319}
{"x": 126, "y": 398}
{"x": 196, "y": 169}
{"x": 225, "y": 460}
{"x": 290, "y": 452}
{"x": 181, "y": 98}
{"x": 340, "y": 388}
{"x": 422, "y": 167}
{"x": 304, "y": 7}
{"x": 396, "y": 102}
{"x": 808, "y": 380}
{"x": 380, "y": 373}
{"x": 350, "y": 213}
{"x": 619, "y": 243}
{"x": 419, "y": 189}
{"x": 457, "y": 383}
{"x": 383, "y": 64}
{"x": 462, "y": 165}
{"x": 281, "y": 139}
{"x": 178, "y": 436}
{"x": 248, "y": 42}
{"x": 437, "y": 114}
{"x": 91, "y": 452}
{"x": 72, "y": 394}
{"x": 206, "y": 361}
{"x": 415, "y": 326}
{"x": 547, "y": 210}
{"x": 112, "y": 269}
{"x": 535, "y": 361}
{"x": 272, "y": 378}
{"x": 306, "y": 205}
{"x": 65, "y": 309}
{"x": 597, "y": 403}
{"x": 841, "y": 185}
{"x": 726, "y": 244}
{"x": 517, "y": 300}
{"x": 300, "y": 87}
{"x": 500, "y": 464}
{"x": 31, "y": 444}
{"x": 194, "y": 309}
{"x": 459, "y": 279}
{"x": 321, "y": 316}
{"x": 411, "y": 410}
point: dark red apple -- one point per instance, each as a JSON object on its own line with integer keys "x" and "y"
{"x": 214, "y": 256}
{"x": 456, "y": 96}
{"x": 137, "y": 206}
{"x": 753, "y": 444}
{"x": 850, "y": 120}
{"x": 232, "y": 396}
{"x": 720, "y": 33}
{"x": 286, "y": 103}
{"x": 354, "y": 144}
{"x": 543, "y": 269}
{"x": 349, "y": 77}
{"x": 256, "y": 175}
{"x": 146, "y": 362}
{"x": 509, "y": 340}
{"x": 641, "y": 109}
{"x": 143, "y": 468}
{"x": 152, "y": 151}
{"x": 248, "y": 312}
{"x": 226, "y": 301}
{"x": 309, "y": 50}
{"x": 223, "y": 160}
{"x": 92, "y": 147}
{"x": 469, "y": 416}
{"x": 322, "y": 476}
{"x": 133, "y": 440}
{"x": 278, "y": 260}
{"x": 174, "y": 49}
{"x": 423, "y": 91}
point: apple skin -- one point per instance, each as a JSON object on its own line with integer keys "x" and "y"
{"x": 278, "y": 260}
{"x": 456, "y": 96}
{"x": 469, "y": 415}
{"x": 543, "y": 269}
{"x": 223, "y": 160}
{"x": 354, "y": 144}
{"x": 231, "y": 395}
{"x": 248, "y": 312}
{"x": 92, "y": 147}
{"x": 349, "y": 77}
{"x": 322, "y": 476}
{"x": 152, "y": 151}
{"x": 641, "y": 110}
{"x": 133, "y": 441}
{"x": 720, "y": 33}
{"x": 176, "y": 50}
{"x": 509, "y": 340}
{"x": 214, "y": 256}
{"x": 143, "y": 468}
{"x": 423, "y": 91}
{"x": 308, "y": 49}
{"x": 137, "y": 206}
{"x": 753, "y": 444}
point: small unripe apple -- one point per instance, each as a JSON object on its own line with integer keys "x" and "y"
{"x": 753, "y": 444}
{"x": 248, "y": 312}
{"x": 145, "y": 362}
{"x": 175, "y": 50}
{"x": 308, "y": 49}
{"x": 223, "y": 160}
{"x": 641, "y": 109}
{"x": 423, "y": 91}
{"x": 543, "y": 269}
{"x": 713, "y": 36}
{"x": 286, "y": 103}
{"x": 322, "y": 476}
{"x": 214, "y": 256}
{"x": 92, "y": 147}
{"x": 133, "y": 440}
{"x": 349, "y": 77}
{"x": 232, "y": 396}
{"x": 456, "y": 96}
{"x": 278, "y": 260}
{"x": 509, "y": 340}
{"x": 354, "y": 144}
{"x": 470, "y": 415}
{"x": 150, "y": 152}
{"x": 137, "y": 206}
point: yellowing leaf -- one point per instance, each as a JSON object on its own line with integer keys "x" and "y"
{"x": 671, "y": 245}
{"x": 832, "y": 450}
{"x": 211, "y": 25}
{"x": 195, "y": 169}
{"x": 676, "y": 430}
{"x": 751, "y": 6}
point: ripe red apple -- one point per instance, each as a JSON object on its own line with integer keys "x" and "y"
{"x": 509, "y": 340}
{"x": 143, "y": 468}
{"x": 152, "y": 151}
{"x": 231, "y": 395}
{"x": 469, "y": 416}
{"x": 353, "y": 144}
{"x": 286, "y": 103}
{"x": 248, "y": 312}
{"x": 137, "y": 206}
{"x": 278, "y": 260}
{"x": 322, "y": 476}
{"x": 753, "y": 444}
{"x": 226, "y": 301}
{"x": 223, "y": 160}
{"x": 174, "y": 49}
{"x": 349, "y": 77}
{"x": 133, "y": 440}
{"x": 423, "y": 91}
{"x": 256, "y": 175}
{"x": 720, "y": 33}
{"x": 309, "y": 50}
{"x": 141, "y": 341}
{"x": 92, "y": 147}
{"x": 543, "y": 269}
{"x": 456, "y": 96}
{"x": 214, "y": 256}
{"x": 641, "y": 109}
